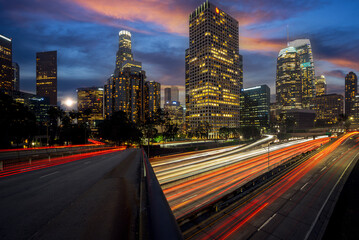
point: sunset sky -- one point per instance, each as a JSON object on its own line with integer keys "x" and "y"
{"x": 85, "y": 34}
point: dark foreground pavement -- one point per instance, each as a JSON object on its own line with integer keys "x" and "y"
{"x": 344, "y": 222}
{"x": 92, "y": 198}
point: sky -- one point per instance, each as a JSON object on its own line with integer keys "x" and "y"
{"x": 85, "y": 34}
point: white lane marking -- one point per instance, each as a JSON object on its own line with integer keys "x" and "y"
{"x": 326, "y": 200}
{"x": 87, "y": 162}
{"x": 304, "y": 186}
{"x": 269, "y": 219}
{"x": 49, "y": 174}
{"x": 323, "y": 168}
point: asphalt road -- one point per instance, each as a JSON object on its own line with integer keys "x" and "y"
{"x": 297, "y": 206}
{"x": 78, "y": 200}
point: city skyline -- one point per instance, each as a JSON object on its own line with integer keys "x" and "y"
{"x": 160, "y": 42}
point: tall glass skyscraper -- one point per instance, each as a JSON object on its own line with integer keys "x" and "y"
{"x": 351, "y": 86}
{"x": 213, "y": 69}
{"x": 46, "y": 75}
{"x": 124, "y": 56}
{"x": 304, "y": 50}
{"x": 126, "y": 89}
{"x": 255, "y": 107}
{"x": 6, "y": 70}
{"x": 288, "y": 82}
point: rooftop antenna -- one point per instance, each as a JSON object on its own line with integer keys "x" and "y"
{"x": 287, "y": 35}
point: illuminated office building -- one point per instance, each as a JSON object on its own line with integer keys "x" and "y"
{"x": 153, "y": 98}
{"x": 320, "y": 86}
{"x": 305, "y": 54}
{"x": 288, "y": 82}
{"x": 16, "y": 80}
{"x": 127, "y": 90}
{"x": 124, "y": 56}
{"x": 175, "y": 113}
{"x": 6, "y": 70}
{"x": 351, "y": 86}
{"x": 38, "y": 105}
{"x": 46, "y": 75}
{"x": 354, "y": 118}
{"x": 255, "y": 107}
{"x": 213, "y": 70}
{"x": 328, "y": 109}
{"x": 90, "y": 106}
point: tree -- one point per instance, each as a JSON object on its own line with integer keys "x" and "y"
{"x": 171, "y": 131}
{"x": 224, "y": 132}
{"x": 17, "y": 122}
{"x": 120, "y": 129}
{"x": 250, "y": 132}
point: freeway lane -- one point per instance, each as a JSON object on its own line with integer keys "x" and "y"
{"x": 186, "y": 197}
{"x": 31, "y": 201}
{"x": 296, "y": 206}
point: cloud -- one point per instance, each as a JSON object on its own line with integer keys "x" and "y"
{"x": 335, "y": 73}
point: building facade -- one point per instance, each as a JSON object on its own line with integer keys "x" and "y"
{"x": 90, "y": 106}
{"x": 351, "y": 86}
{"x": 153, "y": 98}
{"x": 306, "y": 60}
{"x": 46, "y": 75}
{"x": 6, "y": 70}
{"x": 328, "y": 109}
{"x": 16, "y": 81}
{"x": 255, "y": 107}
{"x": 175, "y": 113}
{"x": 37, "y": 104}
{"x": 288, "y": 81}
{"x": 213, "y": 70}
{"x": 320, "y": 85}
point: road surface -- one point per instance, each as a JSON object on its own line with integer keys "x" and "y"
{"x": 297, "y": 206}
{"x": 87, "y": 198}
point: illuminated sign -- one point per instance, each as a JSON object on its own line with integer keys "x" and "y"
{"x": 217, "y": 10}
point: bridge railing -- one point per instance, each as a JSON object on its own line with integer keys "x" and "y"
{"x": 156, "y": 218}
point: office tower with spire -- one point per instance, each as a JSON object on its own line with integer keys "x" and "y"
{"x": 305, "y": 54}
{"x": 351, "y": 86}
{"x": 320, "y": 85}
{"x": 288, "y": 82}
{"x": 46, "y": 75}
{"x": 126, "y": 88}
{"x": 213, "y": 70}
{"x": 6, "y": 70}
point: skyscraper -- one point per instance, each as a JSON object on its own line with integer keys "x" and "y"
{"x": 288, "y": 82}
{"x": 213, "y": 69}
{"x": 16, "y": 81}
{"x": 90, "y": 99}
{"x": 304, "y": 51}
{"x": 320, "y": 85}
{"x": 153, "y": 97}
{"x": 168, "y": 95}
{"x": 126, "y": 90}
{"x": 171, "y": 94}
{"x": 46, "y": 75}
{"x": 124, "y": 56}
{"x": 255, "y": 107}
{"x": 351, "y": 86}
{"x": 6, "y": 71}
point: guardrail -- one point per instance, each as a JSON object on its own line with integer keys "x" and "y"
{"x": 9, "y": 158}
{"x": 156, "y": 218}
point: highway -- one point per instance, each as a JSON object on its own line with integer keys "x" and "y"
{"x": 182, "y": 167}
{"x": 201, "y": 180}
{"x": 77, "y": 200}
{"x": 296, "y": 206}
